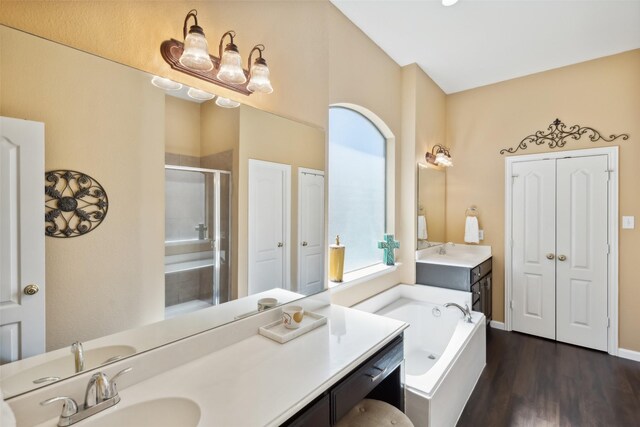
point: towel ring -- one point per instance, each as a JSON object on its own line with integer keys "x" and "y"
{"x": 471, "y": 211}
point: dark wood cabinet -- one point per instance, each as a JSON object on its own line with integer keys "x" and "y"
{"x": 380, "y": 377}
{"x": 477, "y": 280}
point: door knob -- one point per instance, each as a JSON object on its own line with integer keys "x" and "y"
{"x": 280, "y": 244}
{"x": 561, "y": 258}
{"x": 31, "y": 289}
{"x": 304, "y": 243}
{"x": 550, "y": 256}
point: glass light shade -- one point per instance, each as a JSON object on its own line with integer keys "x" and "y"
{"x": 165, "y": 84}
{"x": 231, "y": 68}
{"x": 196, "y": 53}
{"x": 449, "y": 2}
{"x": 443, "y": 160}
{"x": 259, "y": 81}
{"x": 200, "y": 95}
{"x": 226, "y": 103}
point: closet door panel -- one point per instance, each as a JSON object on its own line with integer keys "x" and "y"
{"x": 582, "y": 251}
{"x": 533, "y": 281}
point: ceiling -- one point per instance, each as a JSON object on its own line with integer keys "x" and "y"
{"x": 478, "y": 42}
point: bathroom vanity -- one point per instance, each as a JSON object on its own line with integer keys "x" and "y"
{"x": 231, "y": 375}
{"x": 461, "y": 267}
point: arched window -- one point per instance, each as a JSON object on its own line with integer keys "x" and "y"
{"x": 358, "y": 183}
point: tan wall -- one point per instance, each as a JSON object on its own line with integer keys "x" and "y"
{"x": 182, "y": 127}
{"x": 604, "y": 94}
{"x": 91, "y": 126}
{"x": 130, "y": 32}
{"x": 314, "y": 52}
{"x": 268, "y": 137}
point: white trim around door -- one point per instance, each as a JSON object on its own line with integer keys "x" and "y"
{"x": 612, "y": 263}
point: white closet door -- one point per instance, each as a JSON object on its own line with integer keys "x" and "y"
{"x": 269, "y": 219}
{"x": 310, "y": 231}
{"x": 582, "y": 251}
{"x": 22, "y": 316}
{"x": 534, "y": 235}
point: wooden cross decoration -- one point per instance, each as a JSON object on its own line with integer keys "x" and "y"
{"x": 389, "y": 244}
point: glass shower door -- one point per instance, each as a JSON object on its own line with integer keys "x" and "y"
{"x": 197, "y": 243}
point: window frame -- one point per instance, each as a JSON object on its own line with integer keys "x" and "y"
{"x": 390, "y": 161}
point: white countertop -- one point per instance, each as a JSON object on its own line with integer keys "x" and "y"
{"x": 17, "y": 377}
{"x": 458, "y": 255}
{"x": 257, "y": 381}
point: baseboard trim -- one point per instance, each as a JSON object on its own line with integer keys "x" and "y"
{"x": 629, "y": 354}
{"x": 497, "y": 325}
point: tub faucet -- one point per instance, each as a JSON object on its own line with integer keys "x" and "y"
{"x": 78, "y": 355}
{"x": 465, "y": 310}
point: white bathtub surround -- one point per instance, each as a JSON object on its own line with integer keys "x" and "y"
{"x": 458, "y": 255}
{"x": 239, "y": 378}
{"x": 444, "y": 354}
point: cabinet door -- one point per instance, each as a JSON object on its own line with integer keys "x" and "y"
{"x": 487, "y": 294}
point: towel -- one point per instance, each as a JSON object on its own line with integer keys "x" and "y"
{"x": 6, "y": 414}
{"x": 471, "y": 231}
{"x": 422, "y": 228}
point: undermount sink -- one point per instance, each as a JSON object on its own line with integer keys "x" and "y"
{"x": 169, "y": 412}
{"x": 62, "y": 367}
{"x": 457, "y": 255}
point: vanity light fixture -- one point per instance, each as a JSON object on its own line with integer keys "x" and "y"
{"x": 230, "y": 62}
{"x": 192, "y": 57}
{"x": 449, "y": 2}
{"x": 439, "y": 156}
{"x": 200, "y": 95}
{"x": 226, "y": 103}
{"x": 259, "y": 75}
{"x": 196, "y": 49}
{"x": 165, "y": 84}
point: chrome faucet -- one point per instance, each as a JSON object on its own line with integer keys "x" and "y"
{"x": 78, "y": 355}
{"x": 101, "y": 393}
{"x": 465, "y": 310}
{"x": 443, "y": 248}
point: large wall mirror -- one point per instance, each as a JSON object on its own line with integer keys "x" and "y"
{"x": 210, "y": 210}
{"x": 431, "y": 205}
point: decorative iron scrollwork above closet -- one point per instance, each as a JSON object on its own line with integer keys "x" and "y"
{"x": 557, "y": 135}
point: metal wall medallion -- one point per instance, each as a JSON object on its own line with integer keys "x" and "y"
{"x": 557, "y": 135}
{"x": 74, "y": 203}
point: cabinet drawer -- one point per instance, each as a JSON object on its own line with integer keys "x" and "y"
{"x": 480, "y": 271}
{"x": 316, "y": 415}
{"x": 358, "y": 385}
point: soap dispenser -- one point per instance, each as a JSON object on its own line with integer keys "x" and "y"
{"x": 336, "y": 261}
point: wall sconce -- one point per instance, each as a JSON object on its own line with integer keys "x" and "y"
{"x": 192, "y": 57}
{"x": 439, "y": 156}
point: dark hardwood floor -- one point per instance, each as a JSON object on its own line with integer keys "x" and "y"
{"x": 530, "y": 381}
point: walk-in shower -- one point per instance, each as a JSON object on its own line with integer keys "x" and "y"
{"x": 197, "y": 238}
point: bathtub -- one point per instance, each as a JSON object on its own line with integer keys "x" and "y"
{"x": 444, "y": 355}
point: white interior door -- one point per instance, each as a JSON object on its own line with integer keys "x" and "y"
{"x": 533, "y": 248}
{"x": 310, "y": 231}
{"x": 582, "y": 251}
{"x": 269, "y": 224}
{"x": 22, "y": 316}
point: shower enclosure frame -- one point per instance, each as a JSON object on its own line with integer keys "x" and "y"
{"x": 215, "y": 238}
